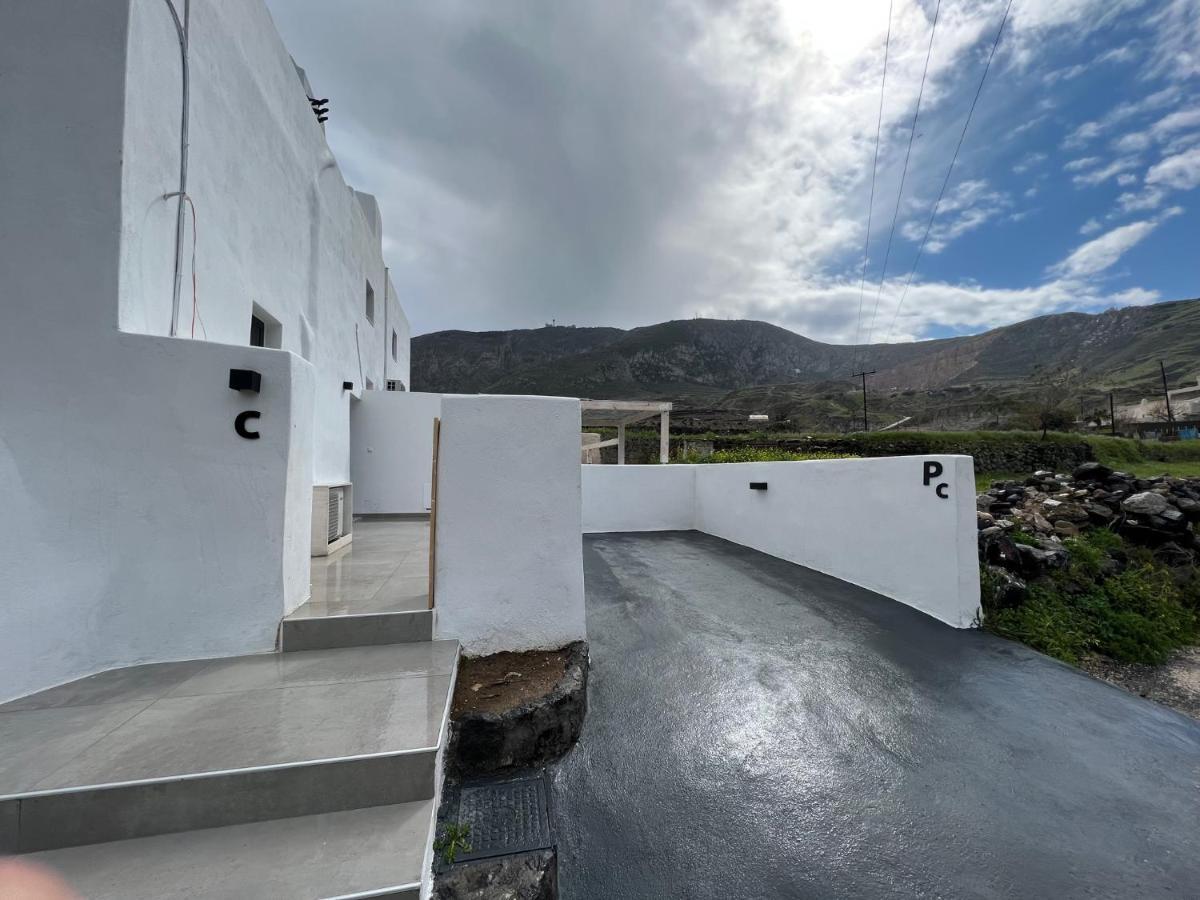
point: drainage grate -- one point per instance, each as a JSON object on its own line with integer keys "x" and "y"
{"x": 505, "y": 817}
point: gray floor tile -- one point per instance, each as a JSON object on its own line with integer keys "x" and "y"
{"x": 284, "y": 670}
{"x": 147, "y": 682}
{"x": 310, "y": 856}
{"x": 216, "y": 732}
{"x": 36, "y": 743}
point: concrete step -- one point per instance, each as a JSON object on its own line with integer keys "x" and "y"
{"x": 366, "y": 629}
{"x": 182, "y": 746}
{"x": 376, "y": 852}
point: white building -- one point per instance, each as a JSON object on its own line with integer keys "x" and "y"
{"x": 138, "y": 524}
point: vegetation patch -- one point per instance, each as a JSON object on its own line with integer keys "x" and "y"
{"x": 1139, "y": 614}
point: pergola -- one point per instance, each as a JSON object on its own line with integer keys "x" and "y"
{"x": 619, "y": 413}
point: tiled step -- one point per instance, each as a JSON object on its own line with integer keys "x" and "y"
{"x": 182, "y": 746}
{"x": 368, "y": 629}
{"x": 376, "y": 852}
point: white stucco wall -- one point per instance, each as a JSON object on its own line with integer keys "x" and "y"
{"x": 872, "y": 522}
{"x": 391, "y": 462}
{"x": 171, "y": 537}
{"x": 137, "y": 526}
{"x": 509, "y": 560}
{"x": 638, "y": 498}
{"x": 277, "y": 225}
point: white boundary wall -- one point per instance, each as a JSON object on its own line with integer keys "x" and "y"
{"x": 391, "y": 451}
{"x": 639, "y": 498}
{"x": 871, "y": 522}
{"x": 509, "y": 560}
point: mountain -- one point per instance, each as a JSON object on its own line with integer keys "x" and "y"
{"x": 754, "y": 365}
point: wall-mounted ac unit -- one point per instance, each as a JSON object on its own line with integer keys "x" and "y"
{"x": 333, "y": 516}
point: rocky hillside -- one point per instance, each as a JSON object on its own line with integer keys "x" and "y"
{"x": 731, "y": 364}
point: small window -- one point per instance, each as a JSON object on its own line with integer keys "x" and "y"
{"x": 395, "y": 385}
{"x": 265, "y": 330}
{"x": 395, "y": 344}
{"x": 370, "y": 303}
{"x": 258, "y": 332}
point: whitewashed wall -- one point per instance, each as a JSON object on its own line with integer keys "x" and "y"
{"x": 872, "y": 522}
{"x": 509, "y": 560}
{"x": 639, "y": 498}
{"x": 277, "y": 224}
{"x": 137, "y": 526}
{"x": 391, "y": 439}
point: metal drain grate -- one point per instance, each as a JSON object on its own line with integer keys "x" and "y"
{"x": 505, "y": 817}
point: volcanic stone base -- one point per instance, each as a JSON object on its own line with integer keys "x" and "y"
{"x": 520, "y": 876}
{"x": 529, "y": 736}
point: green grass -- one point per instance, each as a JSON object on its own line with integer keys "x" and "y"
{"x": 758, "y": 454}
{"x": 1145, "y": 459}
{"x": 1138, "y": 615}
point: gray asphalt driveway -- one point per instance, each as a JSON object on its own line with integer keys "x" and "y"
{"x": 758, "y": 730}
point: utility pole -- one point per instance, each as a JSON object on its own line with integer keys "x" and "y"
{"x": 863, "y": 376}
{"x": 1166, "y": 393}
{"x": 1112, "y": 415}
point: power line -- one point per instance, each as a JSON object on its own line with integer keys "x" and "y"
{"x": 887, "y": 43}
{"x": 950, "y": 170}
{"x": 904, "y": 172}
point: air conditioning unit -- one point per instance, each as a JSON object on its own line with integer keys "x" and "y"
{"x": 333, "y": 517}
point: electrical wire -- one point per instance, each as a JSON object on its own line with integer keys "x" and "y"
{"x": 195, "y": 294}
{"x": 887, "y": 43}
{"x": 950, "y": 170}
{"x": 904, "y": 172}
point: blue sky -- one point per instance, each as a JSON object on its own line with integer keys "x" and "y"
{"x": 618, "y": 163}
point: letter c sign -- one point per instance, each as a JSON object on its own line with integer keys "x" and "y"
{"x": 239, "y": 425}
{"x": 933, "y": 469}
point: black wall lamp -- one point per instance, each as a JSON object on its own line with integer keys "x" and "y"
{"x": 245, "y": 380}
{"x": 347, "y": 385}
{"x": 758, "y": 485}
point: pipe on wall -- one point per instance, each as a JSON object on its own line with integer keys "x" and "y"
{"x": 182, "y": 29}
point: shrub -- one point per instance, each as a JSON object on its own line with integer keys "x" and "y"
{"x": 1139, "y": 615}
{"x": 760, "y": 454}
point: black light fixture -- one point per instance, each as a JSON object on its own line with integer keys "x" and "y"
{"x": 245, "y": 380}
{"x": 320, "y": 108}
{"x": 347, "y": 385}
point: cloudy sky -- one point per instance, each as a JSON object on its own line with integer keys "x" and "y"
{"x": 624, "y": 162}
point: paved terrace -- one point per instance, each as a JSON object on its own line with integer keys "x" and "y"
{"x": 757, "y": 729}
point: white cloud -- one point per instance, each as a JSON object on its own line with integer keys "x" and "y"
{"x": 1148, "y": 198}
{"x": 1122, "y": 112}
{"x": 1126, "y": 179}
{"x": 1076, "y": 165}
{"x": 1103, "y": 174}
{"x": 1028, "y": 161}
{"x": 1181, "y": 171}
{"x": 966, "y": 208}
{"x": 1091, "y": 226}
{"x": 1092, "y": 258}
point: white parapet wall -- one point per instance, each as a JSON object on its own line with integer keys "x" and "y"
{"x": 150, "y": 530}
{"x": 391, "y": 444}
{"x": 509, "y": 572}
{"x": 639, "y": 498}
{"x": 901, "y": 526}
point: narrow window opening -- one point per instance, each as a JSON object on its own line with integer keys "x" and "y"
{"x": 370, "y": 303}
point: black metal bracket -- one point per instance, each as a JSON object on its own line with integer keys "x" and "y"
{"x": 245, "y": 380}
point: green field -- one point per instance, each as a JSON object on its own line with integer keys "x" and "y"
{"x": 1146, "y": 459}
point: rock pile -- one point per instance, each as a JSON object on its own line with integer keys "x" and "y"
{"x": 1046, "y": 508}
